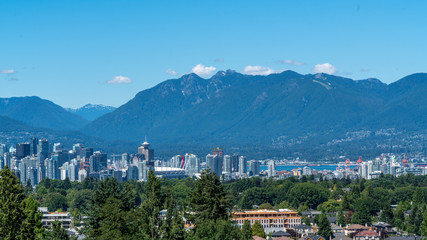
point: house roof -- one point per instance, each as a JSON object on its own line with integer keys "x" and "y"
{"x": 381, "y": 224}
{"x": 280, "y": 234}
{"x": 367, "y": 233}
{"x": 404, "y": 238}
{"x": 258, "y": 238}
{"x": 302, "y": 226}
{"x": 342, "y": 238}
{"x": 356, "y": 227}
{"x": 282, "y": 238}
{"x": 312, "y": 237}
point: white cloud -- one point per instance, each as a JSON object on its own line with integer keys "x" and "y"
{"x": 170, "y": 71}
{"x": 292, "y": 62}
{"x": 259, "y": 70}
{"x": 203, "y": 71}
{"x": 120, "y": 80}
{"x": 325, "y": 68}
{"x": 8, "y": 71}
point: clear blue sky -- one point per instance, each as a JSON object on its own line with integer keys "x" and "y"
{"x": 78, "y": 52}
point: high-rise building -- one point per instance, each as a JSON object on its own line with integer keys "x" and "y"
{"x": 271, "y": 168}
{"x": 86, "y": 153}
{"x": 94, "y": 164}
{"x": 306, "y": 171}
{"x": 126, "y": 158}
{"x": 98, "y": 160}
{"x": 82, "y": 174}
{"x": 235, "y": 163}
{"x": 57, "y": 147}
{"x": 254, "y": 166}
{"x": 227, "y": 164}
{"x": 192, "y": 164}
{"x": 52, "y": 167}
{"x": 214, "y": 163}
{"x": 176, "y": 161}
{"x": 43, "y": 149}
{"x": 145, "y": 150}
{"x": 76, "y": 148}
{"x": 73, "y": 172}
{"x": 132, "y": 173}
{"x": 118, "y": 174}
{"x": 33, "y": 146}
{"x": 218, "y": 151}
{"x": 28, "y": 170}
{"x": 3, "y": 151}
{"x": 243, "y": 165}
{"x": 22, "y": 150}
{"x": 143, "y": 170}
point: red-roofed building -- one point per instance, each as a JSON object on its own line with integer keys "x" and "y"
{"x": 367, "y": 235}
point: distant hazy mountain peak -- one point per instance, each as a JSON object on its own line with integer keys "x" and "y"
{"x": 92, "y": 111}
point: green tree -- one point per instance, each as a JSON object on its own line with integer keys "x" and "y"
{"x": 57, "y": 232}
{"x": 423, "y": 227}
{"x": 341, "y": 219}
{"x": 258, "y": 230}
{"x": 108, "y": 197}
{"x": 324, "y": 227}
{"x": 246, "y": 233}
{"x": 177, "y": 231}
{"x": 387, "y": 214}
{"x": 345, "y": 204}
{"x": 56, "y": 201}
{"x": 171, "y": 209}
{"x": 361, "y": 214}
{"x": 28, "y": 189}
{"x": 32, "y": 226}
{"x": 265, "y": 206}
{"x": 331, "y": 205}
{"x": 209, "y": 200}
{"x": 217, "y": 230}
{"x": 306, "y": 221}
{"x": 12, "y": 211}
{"x": 150, "y": 208}
{"x": 308, "y": 193}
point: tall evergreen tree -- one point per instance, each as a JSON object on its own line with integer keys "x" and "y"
{"x": 423, "y": 227}
{"x": 13, "y": 214}
{"x": 246, "y": 233}
{"x": 341, "y": 219}
{"x": 209, "y": 200}
{"x": 361, "y": 214}
{"x": 177, "y": 231}
{"x": 57, "y": 232}
{"x": 258, "y": 230}
{"x": 171, "y": 210}
{"x": 32, "y": 226}
{"x": 150, "y": 209}
{"x": 387, "y": 214}
{"x": 108, "y": 197}
{"x": 324, "y": 227}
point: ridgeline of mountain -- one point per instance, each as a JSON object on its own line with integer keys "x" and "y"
{"x": 236, "y": 109}
{"x": 41, "y": 113}
{"x": 91, "y": 111}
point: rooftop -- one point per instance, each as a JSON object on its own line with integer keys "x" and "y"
{"x": 367, "y": 233}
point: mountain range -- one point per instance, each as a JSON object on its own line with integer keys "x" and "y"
{"x": 38, "y": 112}
{"x": 286, "y": 112}
{"x": 231, "y": 107}
{"x": 91, "y": 112}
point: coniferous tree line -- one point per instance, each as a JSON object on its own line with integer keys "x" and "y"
{"x": 158, "y": 208}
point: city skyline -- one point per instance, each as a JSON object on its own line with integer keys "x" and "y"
{"x": 119, "y": 49}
